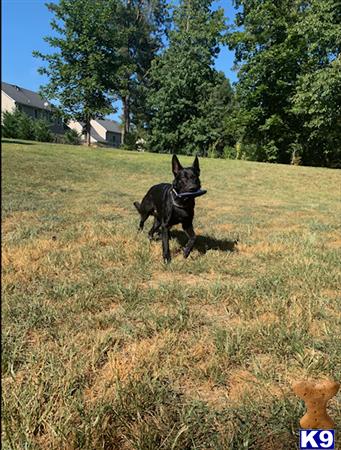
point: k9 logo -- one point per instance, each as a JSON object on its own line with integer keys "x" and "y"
{"x": 318, "y": 439}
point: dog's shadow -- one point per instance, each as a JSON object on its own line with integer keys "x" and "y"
{"x": 205, "y": 243}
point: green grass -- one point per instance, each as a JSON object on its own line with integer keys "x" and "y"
{"x": 105, "y": 347}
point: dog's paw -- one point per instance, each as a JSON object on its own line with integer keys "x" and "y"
{"x": 167, "y": 259}
{"x": 154, "y": 238}
{"x": 186, "y": 252}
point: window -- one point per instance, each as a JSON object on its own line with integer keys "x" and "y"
{"x": 36, "y": 114}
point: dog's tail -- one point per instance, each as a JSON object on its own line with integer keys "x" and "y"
{"x": 138, "y": 206}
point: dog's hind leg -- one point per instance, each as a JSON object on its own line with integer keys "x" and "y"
{"x": 191, "y": 239}
{"x": 154, "y": 228}
{"x": 144, "y": 213}
{"x": 144, "y": 217}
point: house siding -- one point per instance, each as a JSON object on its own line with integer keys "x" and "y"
{"x": 98, "y": 134}
{"x": 74, "y": 125}
{"x": 58, "y": 127}
{"x": 7, "y": 104}
{"x": 37, "y": 113}
{"x": 113, "y": 139}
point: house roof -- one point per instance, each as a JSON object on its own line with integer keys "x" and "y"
{"x": 25, "y": 96}
{"x": 110, "y": 125}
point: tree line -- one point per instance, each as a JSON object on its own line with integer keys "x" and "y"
{"x": 158, "y": 60}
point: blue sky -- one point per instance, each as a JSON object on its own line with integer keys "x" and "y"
{"x": 26, "y": 22}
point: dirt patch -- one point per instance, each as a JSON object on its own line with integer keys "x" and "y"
{"x": 240, "y": 384}
{"x": 159, "y": 278}
{"x": 282, "y": 227}
{"x": 216, "y": 312}
{"x": 146, "y": 355}
{"x": 207, "y": 392}
{"x": 317, "y": 328}
{"x": 162, "y": 308}
{"x": 21, "y": 257}
{"x": 331, "y": 293}
{"x": 112, "y": 208}
{"x": 24, "y": 263}
{"x": 11, "y": 223}
{"x": 220, "y": 315}
{"x": 287, "y": 222}
{"x": 263, "y": 248}
{"x": 201, "y": 351}
{"x": 334, "y": 241}
{"x": 196, "y": 357}
{"x": 224, "y": 227}
{"x": 267, "y": 318}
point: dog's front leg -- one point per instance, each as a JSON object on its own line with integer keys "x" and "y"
{"x": 191, "y": 239}
{"x": 165, "y": 244}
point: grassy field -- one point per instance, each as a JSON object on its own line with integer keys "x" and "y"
{"x": 105, "y": 347}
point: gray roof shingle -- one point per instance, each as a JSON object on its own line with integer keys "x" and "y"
{"x": 110, "y": 125}
{"x": 25, "y": 96}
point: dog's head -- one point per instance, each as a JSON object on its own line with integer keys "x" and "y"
{"x": 186, "y": 179}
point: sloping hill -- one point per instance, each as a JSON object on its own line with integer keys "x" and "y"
{"x": 105, "y": 347}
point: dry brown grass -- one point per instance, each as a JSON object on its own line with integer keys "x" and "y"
{"x": 105, "y": 347}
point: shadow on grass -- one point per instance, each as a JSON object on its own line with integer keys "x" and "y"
{"x": 17, "y": 141}
{"x": 205, "y": 243}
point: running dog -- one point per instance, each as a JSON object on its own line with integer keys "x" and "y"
{"x": 171, "y": 204}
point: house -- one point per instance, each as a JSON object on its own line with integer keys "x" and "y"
{"x": 31, "y": 103}
{"x": 103, "y": 131}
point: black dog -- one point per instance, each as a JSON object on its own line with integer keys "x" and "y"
{"x": 165, "y": 202}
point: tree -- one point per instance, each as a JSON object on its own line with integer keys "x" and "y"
{"x": 10, "y": 123}
{"x": 19, "y": 125}
{"x": 217, "y": 112}
{"x": 142, "y": 26}
{"x": 82, "y": 70}
{"x": 42, "y": 132}
{"x": 267, "y": 67}
{"x": 72, "y": 137}
{"x": 317, "y": 101}
{"x": 280, "y": 48}
{"x": 26, "y": 127}
{"x": 317, "y": 97}
{"x": 183, "y": 80}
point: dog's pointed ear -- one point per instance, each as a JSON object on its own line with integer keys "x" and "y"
{"x": 195, "y": 165}
{"x": 176, "y": 166}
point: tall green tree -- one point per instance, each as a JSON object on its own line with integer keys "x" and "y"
{"x": 267, "y": 66}
{"x": 82, "y": 70}
{"x": 217, "y": 112}
{"x": 143, "y": 26}
{"x": 183, "y": 79}
{"x": 280, "y": 47}
{"x": 317, "y": 98}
